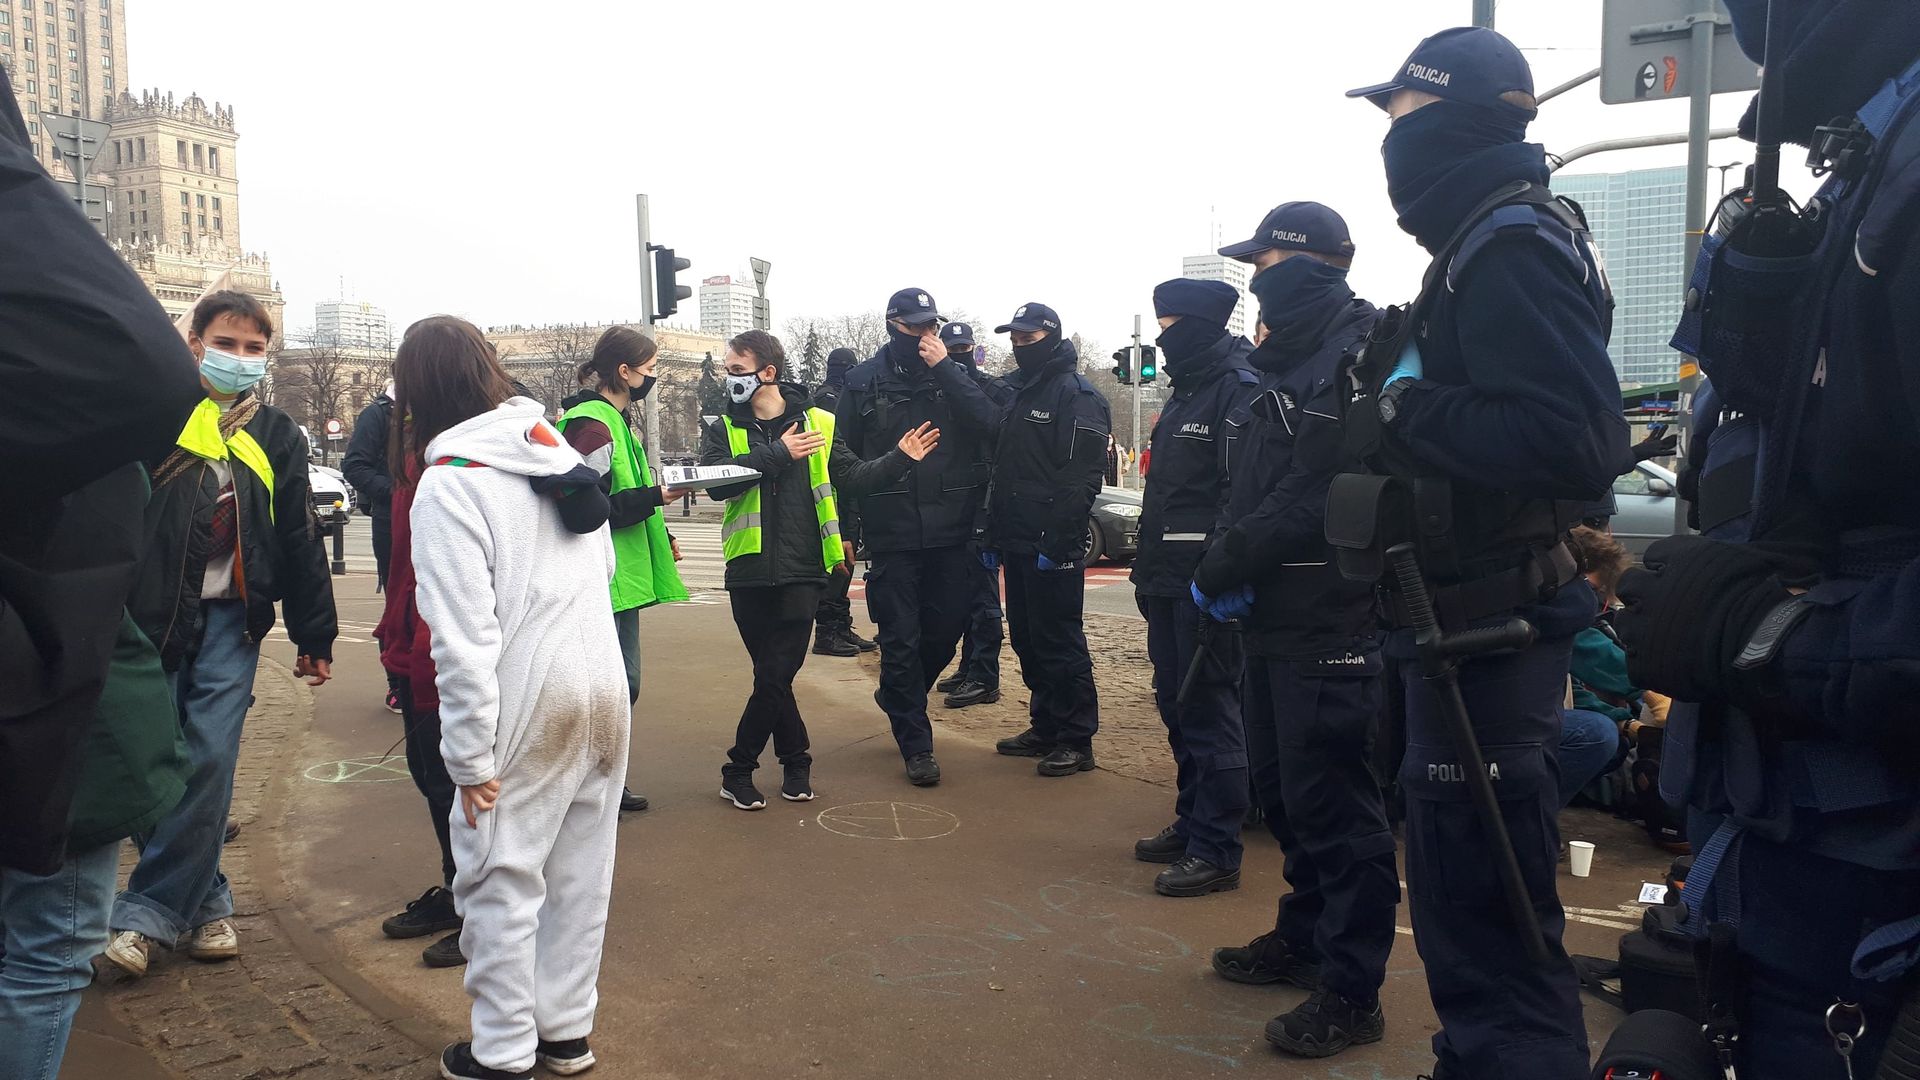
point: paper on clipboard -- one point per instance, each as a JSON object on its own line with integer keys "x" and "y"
{"x": 701, "y": 477}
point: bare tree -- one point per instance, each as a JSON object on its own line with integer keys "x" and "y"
{"x": 313, "y": 386}
{"x": 552, "y": 372}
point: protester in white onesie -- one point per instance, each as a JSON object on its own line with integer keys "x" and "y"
{"x": 512, "y": 581}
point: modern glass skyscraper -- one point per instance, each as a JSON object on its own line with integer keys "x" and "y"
{"x": 1639, "y": 221}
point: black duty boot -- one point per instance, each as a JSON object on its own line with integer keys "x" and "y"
{"x": 632, "y": 802}
{"x": 569, "y": 1057}
{"x": 951, "y": 683}
{"x": 444, "y": 953}
{"x": 1065, "y": 761}
{"x": 972, "y": 693}
{"x": 1325, "y": 1024}
{"x": 1165, "y": 847}
{"x": 1026, "y": 744}
{"x": 796, "y": 783}
{"x": 1266, "y": 960}
{"x": 456, "y": 1063}
{"x": 858, "y": 642}
{"x": 736, "y": 786}
{"x": 1195, "y": 876}
{"x": 430, "y": 914}
{"x": 922, "y": 770}
{"x": 834, "y": 643}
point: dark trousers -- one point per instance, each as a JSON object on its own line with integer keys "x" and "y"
{"x": 918, "y": 601}
{"x": 980, "y": 648}
{"x": 1502, "y": 1017}
{"x": 1208, "y": 742}
{"x": 1044, "y": 611}
{"x": 774, "y": 622}
{"x": 1801, "y": 918}
{"x": 1309, "y": 734}
{"x": 429, "y": 772}
{"x": 835, "y": 611}
{"x": 382, "y": 546}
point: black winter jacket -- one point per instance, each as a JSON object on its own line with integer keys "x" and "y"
{"x": 790, "y": 542}
{"x": 281, "y": 556}
{"x": 1048, "y": 462}
{"x": 365, "y": 465}
{"x": 936, "y": 502}
{"x": 1188, "y": 481}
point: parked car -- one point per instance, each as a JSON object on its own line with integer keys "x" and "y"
{"x": 332, "y": 497}
{"x": 1644, "y": 500}
{"x": 1116, "y": 526}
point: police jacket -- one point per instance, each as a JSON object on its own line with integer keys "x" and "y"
{"x": 281, "y": 557}
{"x": 1048, "y": 461}
{"x": 1188, "y": 481}
{"x": 1280, "y": 452}
{"x": 790, "y": 528}
{"x": 935, "y": 502}
{"x": 365, "y": 465}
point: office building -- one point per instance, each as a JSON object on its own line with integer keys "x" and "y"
{"x": 1234, "y": 273}
{"x": 1639, "y": 222}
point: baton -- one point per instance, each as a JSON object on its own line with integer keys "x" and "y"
{"x": 1439, "y": 653}
{"x": 1201, "y": 654}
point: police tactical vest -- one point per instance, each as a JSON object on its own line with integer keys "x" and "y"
{"x": 644, "y": 573}
{"x": 740, "y": 527}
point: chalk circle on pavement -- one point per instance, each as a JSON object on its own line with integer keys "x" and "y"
{"x": 360, "y": 771}
{"x": 888, "y": 821}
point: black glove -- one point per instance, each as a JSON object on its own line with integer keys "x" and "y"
{"x": 1692, "y": 609}
{"x": 1655, "y": 445}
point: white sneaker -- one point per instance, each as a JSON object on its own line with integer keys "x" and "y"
{"x": 217, "y": 940}
{"x": 129, "y": 951}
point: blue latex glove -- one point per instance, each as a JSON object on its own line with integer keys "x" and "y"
{"x": 1237, "y": 604}
{"x": 1409, "y": 367}
{"x": 1048, "y": 566}
{"x": 990, "y": 558}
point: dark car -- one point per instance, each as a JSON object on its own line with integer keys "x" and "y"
{"x": 1116, "y": 526}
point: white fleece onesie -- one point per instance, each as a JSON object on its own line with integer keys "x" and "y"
{"x": 532, "y": 694}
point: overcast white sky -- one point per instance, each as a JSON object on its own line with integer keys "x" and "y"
{"x": 481, "y": 158}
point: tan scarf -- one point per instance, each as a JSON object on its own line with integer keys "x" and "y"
{"x": 231, "y": 421}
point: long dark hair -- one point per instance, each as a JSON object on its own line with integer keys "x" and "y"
{"x": 619, "y": 345}
{"x": 444, "y": 373}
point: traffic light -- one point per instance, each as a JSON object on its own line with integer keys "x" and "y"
{"x": 1123, "y": 366}
{"x": 666, "y": 293}
{"x": 1149, "y": 365}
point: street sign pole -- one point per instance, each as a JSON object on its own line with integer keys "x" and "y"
{"x": 1138, "y": 389}
{"x": 1483, "y": 13}
{"x": 1700, "y": 119}
{"x": 762, "y": 314}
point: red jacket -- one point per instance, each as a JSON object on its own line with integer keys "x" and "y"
{"x": 406, "y": 650}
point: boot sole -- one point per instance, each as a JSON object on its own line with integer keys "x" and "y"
{"x": 738, "y": 805}
{"x": 426, "y": 957}
{"x": 1158, "y": 857}
{"x": 983, "y": 699}
{"x": 1278, "y": 1038}
{"x": 568, "y": 1067}
{"x": 405, "y": 932}
{"x": 1235, "y": 975}
{"x": 927, "y": 781}
{"x": 1086, "y": 766}
{"x": 805, "y": 797}
{"x": 1225, "y": 884}
{"x": 1021, "y": 752}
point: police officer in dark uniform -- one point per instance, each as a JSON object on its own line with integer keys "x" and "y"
{"x": 1047, "y": 464}
{"x": 1794, "y": 621}
{"x": 976, "y": 678}
{"x": 1312, "y": 692}
{"x": 833, "y": 624}
{"x": 1494, "y": 407}
{"x": 917, "y": 532}
{"x": 1208, "y": 369}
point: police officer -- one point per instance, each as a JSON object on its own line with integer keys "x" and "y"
{"x": 833, "y": 624}
{"x": 1792, "y": 621}
{"x": 1494, "y": 406}
{"x": 1312, "y": 692}
{"x": 1207, "y": 367}
{"x": 1047, "y": 464}
{"x": 917, "y": 531}
{"x": 976, "y": 678}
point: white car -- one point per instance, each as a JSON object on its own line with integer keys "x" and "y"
{"x": 332, "y": 497}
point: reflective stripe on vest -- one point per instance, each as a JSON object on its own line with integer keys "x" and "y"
{"x": 740, "y": 529}
{"x": 201, "y": 438}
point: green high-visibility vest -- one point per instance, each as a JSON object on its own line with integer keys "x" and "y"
{"x": 643, "y": 572}
{"x": 740, "y": 527}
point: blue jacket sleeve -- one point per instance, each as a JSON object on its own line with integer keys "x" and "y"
{"x": 1540, "y": 409}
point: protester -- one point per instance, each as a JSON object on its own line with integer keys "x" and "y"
{"x": 230, "y": 533}
{"x": 833, "y": 633}
{"x": 781, "y": 536}
{"x": 365, "y": 467}
{"x": 513, "y": 582}
{"x": 596, "y": 427}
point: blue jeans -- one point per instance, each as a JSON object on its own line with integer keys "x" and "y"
{"x": 178, "y": 885}
{"x": 1590, "y": 745}
{"x": 627, "y": 625}
{"x": 51, "y": 928}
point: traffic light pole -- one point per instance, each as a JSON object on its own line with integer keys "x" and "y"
{"x": 1137, "y": 381}
{"x": 651, "y": 409}
{"x": 1699, "y": 121}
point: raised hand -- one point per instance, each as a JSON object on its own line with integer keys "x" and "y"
{"x": 802, "y": 444}
{"x": 919, "y": 442}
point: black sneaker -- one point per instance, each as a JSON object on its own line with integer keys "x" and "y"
{"x": 569, "y": 1057}
{"x": 631, "y": 802}
{"x": 972, "y": 693}
{"x": 922, "y": 770}
{"x": 797, "y": 783}
{"x": 1195, "y": 876}
{"x": 737, "y": 788}
{"x": 1026, "y": 744}
{"x": 834, "y": 644}
{"x": 444, "y": 953}
{"x": 393, "y": 701}
{"x": 430, "y": 914}
{"x": 456, "y": 1063}
{"x": 951, "y": 683}
{"x": 1065, "y": 761}
{"x": 1325, "y": 1024}
{"x": 1165, "y": 847}
{"x": 858, "y": 642}
{"x": 1265, "y": 961}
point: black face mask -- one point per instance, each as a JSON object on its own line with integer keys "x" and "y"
{"x": 1443, "y": 159}
{"x": 640, "y": 392}
{"x": 903, "y": 349}
{"x": 1298, "y": 298}
{"x": 1183, "y": 342}
{"x": 1033, "y": 357}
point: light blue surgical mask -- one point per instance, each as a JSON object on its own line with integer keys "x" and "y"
{"x": 741, "y": 387}
{"x": 230, "y": 374}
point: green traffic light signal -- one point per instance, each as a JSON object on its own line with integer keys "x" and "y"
{"x": 1149, "y": 367}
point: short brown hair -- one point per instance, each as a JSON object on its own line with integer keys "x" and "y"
{"x": 763, "y": 347}
{"x": 619, "y": 345}
{"x": 443, "y": 374}
{"x": 228, "y": 302}
{"x": 1602, "y": 556}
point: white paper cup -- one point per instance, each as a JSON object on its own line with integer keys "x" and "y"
{"x": 1580, "y": 855}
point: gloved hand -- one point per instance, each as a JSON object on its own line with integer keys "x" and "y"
{"x": 990, "y": 558}
{"x": 1048, "y": 566}
{"x": 1692, "y": 609}
{"x": 1237, "y": 604}
{"x": 1408, "y": 367}
{"x": 1656, "y": 445}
